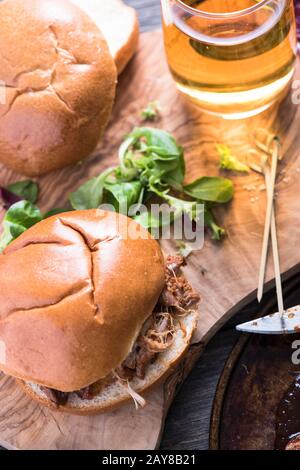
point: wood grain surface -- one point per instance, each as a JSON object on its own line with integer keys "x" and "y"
{"x": 188, "y": 420}
{"x": 225, "y": 274}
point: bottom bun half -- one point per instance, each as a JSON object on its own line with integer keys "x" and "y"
{"x": 116, "y": 393}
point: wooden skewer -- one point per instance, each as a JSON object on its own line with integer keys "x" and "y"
{"x": 270, "y": 183}
{"x": 275, "y": 249}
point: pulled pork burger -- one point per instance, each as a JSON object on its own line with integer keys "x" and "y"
{"x": 91, "y": 312}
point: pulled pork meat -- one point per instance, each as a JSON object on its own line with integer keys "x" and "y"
{"x": 87, "y": 393}
{"x": 178, "y": 293}
{"x": 58, "y": 398}
{"x": 177, "y": 298}
{"x": 157, "y": 336}
{"x": 90, "y": 392}
{"x": 160, "y": 335}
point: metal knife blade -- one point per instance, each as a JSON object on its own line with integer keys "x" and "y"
{"x": 274, "y": 324}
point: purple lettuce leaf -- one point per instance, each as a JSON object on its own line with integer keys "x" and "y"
{"x": 8, "y": 198}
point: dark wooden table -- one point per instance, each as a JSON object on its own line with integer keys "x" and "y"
{"x": 187, "y": 424}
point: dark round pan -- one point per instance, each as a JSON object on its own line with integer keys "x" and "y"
{"x": 257, "y": 402}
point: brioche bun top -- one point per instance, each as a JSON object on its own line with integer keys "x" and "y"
{"x": 59, "y": 82}
{"x": 75, "y": 291}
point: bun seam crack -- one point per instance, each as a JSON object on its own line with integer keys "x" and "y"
{"x": 48, "y": 89}
{"x": 60, "y": 300}
{"x": 50, "y": 86}
{"x": 12, "y": 249}
{"x": 73, "y": 60}
{"x": 61, "y": 99}
{"x": 11, "y": 104}
{"x": 24, "y": 72}
{"x": 59, "y": 49}
{"x": 91, "y": 250}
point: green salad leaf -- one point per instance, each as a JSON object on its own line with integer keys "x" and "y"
{"x": 90, "y": 194}
{"x": 123, "y": 194}
{"x": 27, "y": 190}
{"x": 217, "y": 231}
{"x": 210, "y": 189}
{"x": 229, "y": 161}
{"x": 151, "y": 112}
{"x": 152, "y": 222}
{"x": 18, "y": 219}
{"x": 184, "y": 249}
{"x": 151, "y": 167}
{"x": 151, "y": 163}
{"x": 57, "y": 211}
{"x": 153, "y": 156}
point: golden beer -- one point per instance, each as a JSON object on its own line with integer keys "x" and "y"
{"x": 231, "y": 57}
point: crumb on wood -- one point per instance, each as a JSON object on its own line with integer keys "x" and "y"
{"x": 250, "y": 187}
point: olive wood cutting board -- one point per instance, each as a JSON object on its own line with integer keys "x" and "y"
{"x": 225, "y": 274}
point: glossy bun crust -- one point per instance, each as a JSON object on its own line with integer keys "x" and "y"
{"x": 75, "y": 292}
{"x": 58, "y": 79}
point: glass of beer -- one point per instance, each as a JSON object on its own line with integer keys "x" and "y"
{"x": 233, "y": 58}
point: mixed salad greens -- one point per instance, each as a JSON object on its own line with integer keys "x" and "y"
{"x": 151, "y": 165}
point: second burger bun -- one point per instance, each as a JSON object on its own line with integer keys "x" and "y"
{"x": 76, "y": 290}
{"x": 114, "y": 394}
{"x": 119, "y": 24}
{"x": 59, "y": 81}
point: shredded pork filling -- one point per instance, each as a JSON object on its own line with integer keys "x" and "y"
{"x": 157, "y": 335}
